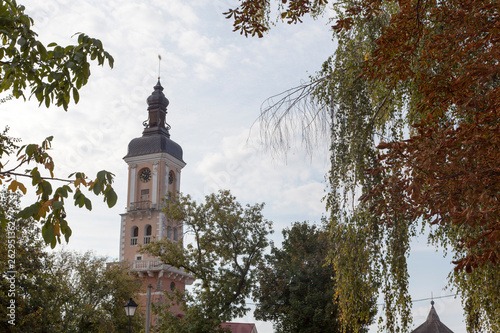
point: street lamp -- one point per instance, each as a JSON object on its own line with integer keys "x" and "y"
{"x": 130, "y": 307}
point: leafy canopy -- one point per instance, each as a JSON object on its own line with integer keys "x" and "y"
{"x": 53, "y": 74}
{"x": 420, "y": 81}
{"x": 228, "y": 243}
{"x": 57, "y": 291}
{"x": 297, "y": 283}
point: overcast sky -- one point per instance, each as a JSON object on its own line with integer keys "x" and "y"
{"x": 216, "y": 81}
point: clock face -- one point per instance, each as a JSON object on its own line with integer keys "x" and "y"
{"x": 145, "y": 175}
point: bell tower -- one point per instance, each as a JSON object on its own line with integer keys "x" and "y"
{"x": 154, "y": 163}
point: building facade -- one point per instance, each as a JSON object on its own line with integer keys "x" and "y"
{"x": 154, "y": 164}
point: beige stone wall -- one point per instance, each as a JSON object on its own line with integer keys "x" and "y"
{"x": 159, "y": 286}
{"x": 140, "y": 216}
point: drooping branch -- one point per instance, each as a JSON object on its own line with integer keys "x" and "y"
{"x": 294, "y": 111}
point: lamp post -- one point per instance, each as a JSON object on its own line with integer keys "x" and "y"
{"x": 130, "y": 307}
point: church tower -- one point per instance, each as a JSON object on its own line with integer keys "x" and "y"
{"x": 154, "y": 163}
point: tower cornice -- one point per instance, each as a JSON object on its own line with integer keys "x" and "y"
{"x": 171, "y": 160}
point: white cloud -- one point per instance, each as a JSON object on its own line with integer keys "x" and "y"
{"x": 294, "y": 189}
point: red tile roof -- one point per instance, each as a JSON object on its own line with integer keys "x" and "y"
{"x": 240, "y": 327}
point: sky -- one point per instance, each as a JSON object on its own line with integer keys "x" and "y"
{"x": 216, "y": 81}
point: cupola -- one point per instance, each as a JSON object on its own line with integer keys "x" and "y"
{"x": 156, "y": 136}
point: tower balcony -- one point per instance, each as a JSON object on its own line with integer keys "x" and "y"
{"x": 153, "y": 267}
{"x": 140, "y": 205}
{"x": 142, "y": 209}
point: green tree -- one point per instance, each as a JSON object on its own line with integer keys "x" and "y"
{"x": 25, "y": 282}
{"x": 418, "y": 80}
{"x": 57, "y": 291}
{"x": 228, "y": 244}
{"x": 357, "y": 113}
{"x": 53, "y": 74}
{"x": 90, "y": 295}
{"x": 297, "y": 283}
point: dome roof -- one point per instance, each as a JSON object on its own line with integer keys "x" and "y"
{"x": 153, "y": 144}
{"x": 157, "y": 99}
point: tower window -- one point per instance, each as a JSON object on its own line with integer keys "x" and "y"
{"x": 175, "y": 234}
{"x": 147, "y": 234}
{"x": 169, "y": 232}
{"x": 134, "y": 234}
{"x": 171, "y": 177}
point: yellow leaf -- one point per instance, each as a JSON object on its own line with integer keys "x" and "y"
{"x": 22, "y": 188}
{"x": 15, "y": 185}
{"x": 57, "y": 230}
{"x": 12, "y": 187}
{"x": 45, "y": 208}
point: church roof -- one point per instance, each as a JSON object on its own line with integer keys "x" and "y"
{"x": 240, "y": 327}
{"x": 432, "y": 324}
{"x": 155, "y": 137}
{"x": 152, "y": 144}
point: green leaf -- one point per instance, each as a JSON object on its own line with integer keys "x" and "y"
{"x": 76, "y": 95}
{"x": 57, "y": 204}
{"x": 111, "y": 197}
{"x": 88, "y": 203}
{"x": 97, "y": 187}
{"x": 67, "y": 233}
{"x": 42, "y": 50}
{"x": 47, "y": 188}
{"x": 62, "y": 191}
{"x": 101, "y": 175}
{"x": 79, "y": 198}
{"x": 30, "y": 211}
{"x": 3, "y": 223}
{"x": 35, "y": 175}
{"x": 48, "y": 233}
{"x": 31, "y": 149}
{"x": 109, "y": 177}
{"x": 58, "y": 52}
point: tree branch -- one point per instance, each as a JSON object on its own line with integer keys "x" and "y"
{"x": 29, "y": 176}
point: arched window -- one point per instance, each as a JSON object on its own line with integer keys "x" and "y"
{"x": 147, "y": 234}
{"x": 175, "y": 234}
{"x": 134, "y": 234}
{"x": 171, "y": 177}
{"x": 169, "y": 232}
{"x": 172, "y": 286}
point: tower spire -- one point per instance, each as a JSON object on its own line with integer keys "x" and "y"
{"x": 155, "y": 136}
{"x": 157, "y": 112}
{"x": 159, "y": 62}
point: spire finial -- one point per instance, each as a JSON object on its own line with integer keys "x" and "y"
{"x": 159, "y": 62}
